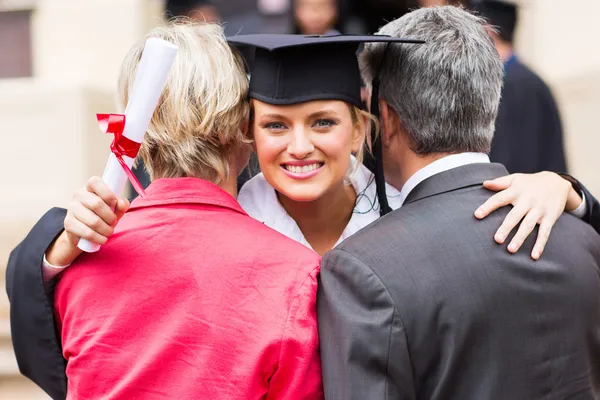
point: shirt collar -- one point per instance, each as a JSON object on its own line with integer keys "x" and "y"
{"x": 167, "y": 191}
{"x": 441, "y": 165}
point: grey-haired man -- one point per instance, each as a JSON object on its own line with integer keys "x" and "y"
{"x": 422, "y": 304}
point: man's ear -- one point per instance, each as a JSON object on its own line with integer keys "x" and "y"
{"x": 389, "y": 122}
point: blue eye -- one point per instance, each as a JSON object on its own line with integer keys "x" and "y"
{"x": 324, "y": 123}
{"x": 276, "y": 126}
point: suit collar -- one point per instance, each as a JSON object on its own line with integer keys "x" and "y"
{"x": 440, "y": 165}
{"x": 454, "y": 179}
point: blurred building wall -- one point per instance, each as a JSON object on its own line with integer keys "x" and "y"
{"x": 557, "y": 39}
{"x": 50, "y": 143}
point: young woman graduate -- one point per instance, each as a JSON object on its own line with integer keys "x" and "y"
{"x": 306, "y": 124}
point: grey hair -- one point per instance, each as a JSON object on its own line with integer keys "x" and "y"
{"x": 446, "y": 92}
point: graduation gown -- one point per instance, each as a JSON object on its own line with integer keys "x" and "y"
{"x": 528, "y": 136}
{"x": 190, "y": 299}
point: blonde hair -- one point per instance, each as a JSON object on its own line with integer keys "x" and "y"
{"x": 202, "y": 109}
{"x": 362, "y": 120}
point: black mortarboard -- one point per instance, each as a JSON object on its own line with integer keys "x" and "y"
{"x": 291, "y": 69}
{"x": 500, "y": 14}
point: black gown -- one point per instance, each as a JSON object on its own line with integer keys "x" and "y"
{"x": 528, "y": 135}
{"x": 36, "y": 340}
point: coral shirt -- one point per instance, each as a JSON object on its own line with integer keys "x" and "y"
{"x": 191, "y": 299}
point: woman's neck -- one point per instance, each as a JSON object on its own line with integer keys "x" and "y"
{"x": 322, "y": 221}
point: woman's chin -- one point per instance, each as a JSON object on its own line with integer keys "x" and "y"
{"x": 301, "y": 197}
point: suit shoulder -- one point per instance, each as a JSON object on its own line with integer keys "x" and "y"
{"x": 573, "y": 232}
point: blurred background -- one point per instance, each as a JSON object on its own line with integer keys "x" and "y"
{"x": 59, "y": 61}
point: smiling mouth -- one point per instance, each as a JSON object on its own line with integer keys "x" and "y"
{"x": 303, "y": 169}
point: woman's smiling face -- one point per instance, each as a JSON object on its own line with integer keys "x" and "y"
{"x": 304, "y": 149}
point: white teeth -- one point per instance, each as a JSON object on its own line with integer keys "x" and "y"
{"x": 302, "y": 169}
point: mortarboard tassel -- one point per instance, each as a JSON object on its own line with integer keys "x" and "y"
{"x": 377, "y": 147}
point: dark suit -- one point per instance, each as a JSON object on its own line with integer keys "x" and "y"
{"x": 422, "y": 304}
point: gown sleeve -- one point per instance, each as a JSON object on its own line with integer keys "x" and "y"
{"x": 592, "y": 211}
{"x": 298, "y": 375}
{"x": 36, "y": 343}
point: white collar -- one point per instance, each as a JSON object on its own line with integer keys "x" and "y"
{"x": 441, "y": 165}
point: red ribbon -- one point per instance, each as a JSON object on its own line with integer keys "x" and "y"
{"x": 121, "y": 146}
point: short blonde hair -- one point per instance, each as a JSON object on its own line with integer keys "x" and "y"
{"x": 202, "y": 109}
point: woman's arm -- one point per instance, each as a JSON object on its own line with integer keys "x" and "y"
{"x": 34, "y": 335}
{"x": 537, "y": 199}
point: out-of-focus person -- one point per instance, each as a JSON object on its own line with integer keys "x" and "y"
{"x": 197, "y": 10}
{"x": 376, "y": 13}
{"x": 529, "y": 135}
{"x": 316, "y": 17}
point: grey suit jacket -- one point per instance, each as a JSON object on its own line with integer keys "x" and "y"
{"x": 423, "y": 304}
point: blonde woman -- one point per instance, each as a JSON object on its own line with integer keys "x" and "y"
{"x": 192, "y": 298}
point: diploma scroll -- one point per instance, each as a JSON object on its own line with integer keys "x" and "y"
{"x": 151, "y": 76}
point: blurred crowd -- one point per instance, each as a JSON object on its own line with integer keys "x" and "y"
{"x": 311, "y": 17}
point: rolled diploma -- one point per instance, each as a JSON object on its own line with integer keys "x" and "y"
{"x": 153, "y": 69}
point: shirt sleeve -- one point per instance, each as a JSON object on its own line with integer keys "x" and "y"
{"x": 364, "y": 349}
{"x": 298, "y": 375}
{"x": 49, "y": 271}
{"x": 580, "y": 211}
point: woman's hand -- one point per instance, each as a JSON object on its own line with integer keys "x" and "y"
{"x": 92, "y": 214}
{"x": 537, "y": 199}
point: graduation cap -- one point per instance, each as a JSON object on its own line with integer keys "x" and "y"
{"x": 292, "y": 69}
{"x": 501, "y": 14}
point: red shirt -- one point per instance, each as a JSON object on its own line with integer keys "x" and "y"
{"x": 191, "y": 299}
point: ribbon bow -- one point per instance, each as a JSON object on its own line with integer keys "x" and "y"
{"x": 121, "y": 146}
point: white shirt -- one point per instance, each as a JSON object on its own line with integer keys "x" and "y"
{"x": 443, "y": 164}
